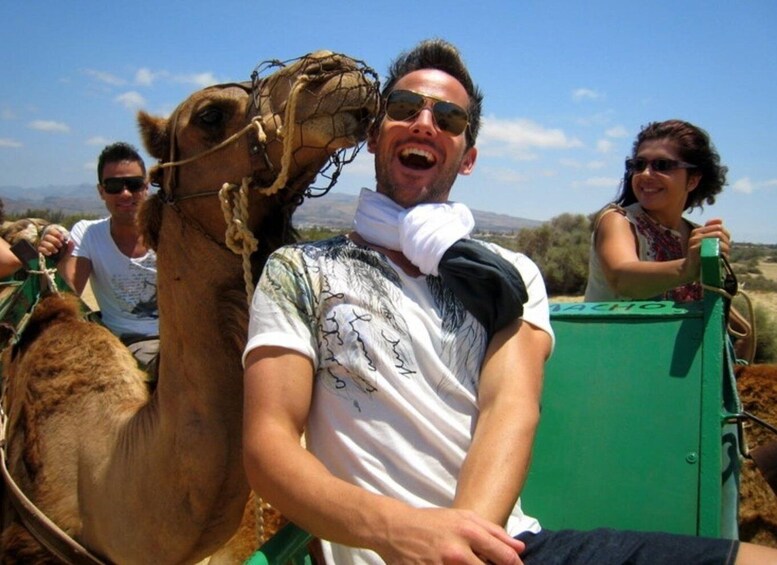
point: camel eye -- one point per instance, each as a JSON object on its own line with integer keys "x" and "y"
{"x": 212, "y": 116}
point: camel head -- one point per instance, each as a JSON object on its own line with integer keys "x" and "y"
{"x": 273, "y": 136}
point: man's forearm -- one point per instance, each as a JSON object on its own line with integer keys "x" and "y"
{"x": 497, "y": 462}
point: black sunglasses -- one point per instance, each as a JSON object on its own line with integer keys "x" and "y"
{"x": 403, "y": 105}
{"x": 116, "y": 185}
{"x": 658, "y": 165}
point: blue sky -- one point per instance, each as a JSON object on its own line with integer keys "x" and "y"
{"x": 567, "y": 85}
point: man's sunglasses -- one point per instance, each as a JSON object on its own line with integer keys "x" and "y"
{"x": 657, "y": 165}
{"x": 403, "y": 105}
{"x": 116, "y": 185}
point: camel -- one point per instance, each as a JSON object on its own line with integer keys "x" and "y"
{"x": 757, "y": 385}
{"x": 140, "y": 477}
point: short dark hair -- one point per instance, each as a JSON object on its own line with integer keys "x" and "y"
{"x": 695, "y": 147}
{"x": 116, "y": 152}
{"x": 441, "y": 55}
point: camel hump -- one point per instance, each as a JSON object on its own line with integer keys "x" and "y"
{"x": 56, "y": 308}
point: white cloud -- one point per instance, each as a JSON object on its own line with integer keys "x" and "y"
{"x": 599, "y": 119}
{"x": 131, "y": 100}
{"x": 518, "y": 138}
{"x": 91, "y": 166}
{"x": 105, "y": 77}
{"x": 200, "y": 80}
{"x": 617, "y": 131}
{"x": 49, "y": 125}
{"x": 571, "y": 163}
{"x": 604, "y": 146}
{"x": 599, "y": 182}
{"x": 505, "y": 175}
{"x": 145, "y": 77}
{"x": 97, "y": 140}
{"x": 743, "y": 185}
{"x": 746, "y": 185}
{"x": 5, "y": 142}
{"x": 585, "y": 94}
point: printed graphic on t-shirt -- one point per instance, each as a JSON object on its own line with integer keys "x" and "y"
{"x": 136, "y": 289}
{"x": 355, "y": 307}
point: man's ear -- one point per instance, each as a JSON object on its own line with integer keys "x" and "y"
{"x": 468, "y": 161}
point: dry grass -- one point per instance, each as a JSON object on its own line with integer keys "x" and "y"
{"x": 766, "y": 299}
{"x": 769, "y": 270}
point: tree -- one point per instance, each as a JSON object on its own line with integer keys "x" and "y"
{"x": 560, "y": 248}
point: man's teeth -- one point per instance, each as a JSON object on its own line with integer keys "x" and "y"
{"x": 416, "y": 153}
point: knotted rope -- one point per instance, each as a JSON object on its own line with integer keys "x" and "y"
{"x": 47, "y": 274}
{"x": 287, "y": 134}
{"x": 239, "y": 239}
{"x": 234, "y": 199}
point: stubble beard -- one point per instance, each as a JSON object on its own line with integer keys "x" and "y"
{"x": 437, "y": 191}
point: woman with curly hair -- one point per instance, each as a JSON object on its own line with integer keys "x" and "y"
{"x": 642, "y": 246}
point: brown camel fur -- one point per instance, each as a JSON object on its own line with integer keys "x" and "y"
{"x": 757, "y": 385}
{"x": 140, "y": 478}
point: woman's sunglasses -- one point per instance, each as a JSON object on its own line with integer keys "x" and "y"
{"x": 116, "y": 185}
{"x": 403, "y": 105}
{"x": 657, "y": 165}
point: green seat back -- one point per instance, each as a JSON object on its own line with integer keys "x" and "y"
{"x": 633, "y": 431}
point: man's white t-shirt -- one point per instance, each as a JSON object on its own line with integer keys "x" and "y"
{"x": 397, "y": 363}
{"x": 124, "y": 287}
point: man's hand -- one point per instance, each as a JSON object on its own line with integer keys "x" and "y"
{"x": 442, "y": 536}
{"x": 54, "y": 242}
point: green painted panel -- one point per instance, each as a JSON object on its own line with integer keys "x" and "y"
{"x": 618, "y": 442}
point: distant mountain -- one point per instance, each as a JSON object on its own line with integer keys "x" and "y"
{"x": 72, "y": 199}
{"x": 331, "y": 211}
{"x": 337, "y": 210}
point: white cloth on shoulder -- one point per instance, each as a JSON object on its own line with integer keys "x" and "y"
{"x": 422, "y": 233}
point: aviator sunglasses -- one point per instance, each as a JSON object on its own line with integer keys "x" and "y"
{"x": 116, "y": 185}
{"x": 657, "y": 165}
{"x": 403, "y": 105}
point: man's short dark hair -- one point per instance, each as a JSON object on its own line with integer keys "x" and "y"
{"x": 117, "y": 152}
{"x": 441, "y": 55}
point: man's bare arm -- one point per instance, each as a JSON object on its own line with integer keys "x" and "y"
{"x": 75, "y": 271}
{"x": 497, "y": 463}
{"x": 278, "y": 393}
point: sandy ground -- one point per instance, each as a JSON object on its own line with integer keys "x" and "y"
{"x": 88, "y": 297}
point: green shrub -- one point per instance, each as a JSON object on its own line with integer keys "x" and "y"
{"x": 316, "y": 233}
{"x": 560, "y": 248}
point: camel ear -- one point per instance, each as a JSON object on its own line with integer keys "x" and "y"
{"x": 154, "y": 133}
